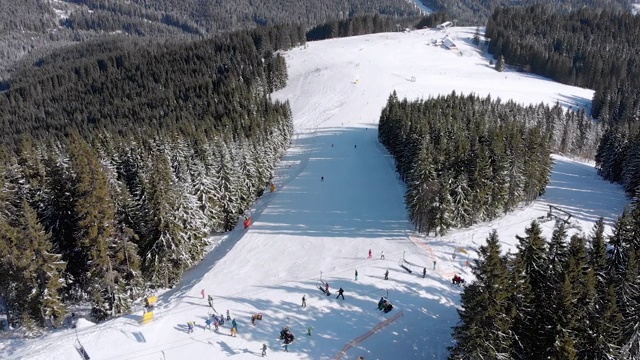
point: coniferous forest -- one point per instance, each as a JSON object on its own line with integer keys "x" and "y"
{"x": 150, "y": 127}
{"x": 555, "y": 298}
{"x": 565, "y": 298}
{"x": 467, "y": 159}
{"x": 590, "y": 48}
{"x": 474, "y": 12}
{"x": 31, "y": 28}
{"x": 120, "y": 158}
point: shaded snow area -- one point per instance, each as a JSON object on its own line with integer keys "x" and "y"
{"x": 310, "y": 229}
{"x": 420, "y": 5}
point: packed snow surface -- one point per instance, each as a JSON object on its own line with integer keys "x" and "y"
{"x": 311, "y": 229}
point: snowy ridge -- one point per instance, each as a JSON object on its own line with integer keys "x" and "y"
{"x": 311, "y": 229}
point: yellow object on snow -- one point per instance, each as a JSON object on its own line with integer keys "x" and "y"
{"x": 462, "y": 250}
{"x": 151, "y": 300}
{"x": 147, "y": 317}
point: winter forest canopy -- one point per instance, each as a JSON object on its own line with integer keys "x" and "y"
{"x": 465, "y": 159}
{"x": 596, "y": 49}
{"x": 122, "y": 154}
{"x": 118, "y": 164}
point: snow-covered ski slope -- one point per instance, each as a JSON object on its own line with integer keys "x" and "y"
{"x": 310, "y": 228}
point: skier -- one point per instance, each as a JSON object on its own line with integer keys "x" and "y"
{"x": 356, "y": 274}
{"x": 190, "y": 327}
{"x": 234, "y": 324}
{"x": 208, "y": 322}
{"x": 202, "y": 293}
{"x": 340, "y": 293}
{"x": 304, "y": 301}
{"x": 215, "y": 325}
{"x": 386, "y": 275}
{"x": 253, "y": 320}
{"x": 283, "y": 332}
{"x": 424, "y": 272}
{"x": 210, "y": 300}
{"x": 326, "y": 288}
{"x": 370, "y": 254}
{"x": 264, "y": 349}
{"x": 382, "y": 255}
{"x": 434, "y": 264}
{"x": 309, "y": 330}
{"x": 381, "y": 303}
{"x": 228, "y": 317}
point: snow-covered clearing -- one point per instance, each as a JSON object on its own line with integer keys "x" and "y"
{"x": 310, "y": 228}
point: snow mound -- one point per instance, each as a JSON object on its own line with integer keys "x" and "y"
{"x": 83, "y": 323}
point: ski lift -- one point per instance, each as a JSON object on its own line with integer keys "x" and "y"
{"x": 404, "y": 264}
{"x": 556, "y": 213}
{"x": 80, "y": 349}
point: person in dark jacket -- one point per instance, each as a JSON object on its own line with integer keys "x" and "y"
{"x": 340, "y": 293}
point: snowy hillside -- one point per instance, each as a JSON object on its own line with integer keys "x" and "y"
{"x": 311, "y": 228}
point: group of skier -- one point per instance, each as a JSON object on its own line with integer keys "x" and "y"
{"x": 285, "y": 335}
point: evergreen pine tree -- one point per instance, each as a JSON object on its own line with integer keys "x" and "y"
{"x": 164, "y": 253}
{"x": 95, "y": 227}
{"x": 564, "y": 346}
{"x": 443, "y": 207}
{"x": 40, "y": 271}
{"x": 534, "y": 265}
{"x": 628, "y": 290}
{"x": 476, "y": 37}
{"x": 500, "y": 63}
{"x": 422, "y": 189}
{"x": 461, "y": 214}
{"x": 484, "y": 329}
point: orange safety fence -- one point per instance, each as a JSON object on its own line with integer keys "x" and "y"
{"x": 365, "y": 336}
{"x": 432, "y": 255}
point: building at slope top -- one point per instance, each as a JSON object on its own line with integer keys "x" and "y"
{"x": 449, "y": 44}
{"x": 445, "y": 25}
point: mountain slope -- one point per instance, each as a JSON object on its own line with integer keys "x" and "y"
{"x": 312, "y": 228}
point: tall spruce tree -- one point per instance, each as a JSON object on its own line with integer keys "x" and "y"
{"x": 422, "y": 190}
{"x": 564, "y": 346}
{"x": 629, "y": 295}
{"x": 583, "y": 280}
{"x": 164, "y": 253}
{"x": 533, "y": 264}
{"x": 96, "y": 226}
{"x": 40, "y": 270}
{"x": 484, "y": 331}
